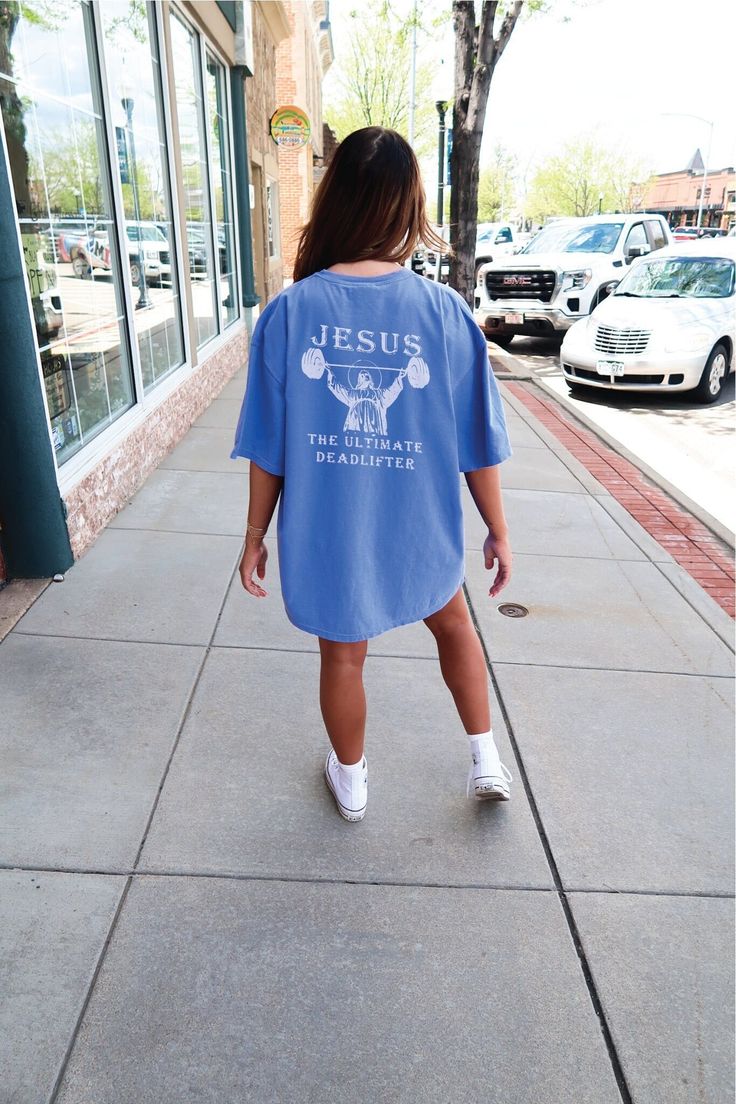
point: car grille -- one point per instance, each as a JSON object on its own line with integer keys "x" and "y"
{"x": 583, "y": 373}
{"x": 530, "y": 284}
{"x": 609, "y": 340}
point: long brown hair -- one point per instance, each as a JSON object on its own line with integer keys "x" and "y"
{"x": 370, "y": 204}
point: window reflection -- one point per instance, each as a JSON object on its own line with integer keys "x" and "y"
{"x": 222, "y": 189}
{"x": 51, "y": 112}
{"x": 142, "y": 164}
{"x": 193, "y": 147}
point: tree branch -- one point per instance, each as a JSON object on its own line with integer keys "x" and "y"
{"x": 486, "y": 42}
{"x": 463, "y": 21}
{"x": 507, "y": 27}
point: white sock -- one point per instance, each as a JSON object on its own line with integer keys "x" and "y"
{"x": 482, "y": 741}
{"x": 352, "y": 768}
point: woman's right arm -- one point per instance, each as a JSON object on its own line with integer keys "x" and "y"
{"x": 265, "y": 489}
{"x": 484, "y": 485}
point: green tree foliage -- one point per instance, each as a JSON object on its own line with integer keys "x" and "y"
{"x": 373, "y": 79}
{"x": 70, "y": 171}
{"x": 582, "y": 177}
{"x": 497, "y": 186}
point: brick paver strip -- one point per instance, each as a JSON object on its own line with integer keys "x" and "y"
{"x": 706, "y": 558}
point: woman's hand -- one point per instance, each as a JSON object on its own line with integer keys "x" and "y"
{"x": 254, "y": 558}
{"x": 498, "y": 550}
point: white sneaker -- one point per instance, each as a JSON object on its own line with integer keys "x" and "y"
{"x": 349, "y": 791}
{"x": 489, "y": 778}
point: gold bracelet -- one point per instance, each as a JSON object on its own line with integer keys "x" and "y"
{"x": 254, "y": 531}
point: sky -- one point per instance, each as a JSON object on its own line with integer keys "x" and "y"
{"x": 622, "y": 71}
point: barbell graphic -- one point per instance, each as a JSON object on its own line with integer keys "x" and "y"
{"x": 314, "y": 364}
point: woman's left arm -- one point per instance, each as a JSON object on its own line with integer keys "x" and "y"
{"x": 265, "y": 489}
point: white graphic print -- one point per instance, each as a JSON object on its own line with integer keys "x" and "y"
{"x": 365, "y": 396}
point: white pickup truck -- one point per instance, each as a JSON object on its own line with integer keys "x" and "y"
{"x": 493, "y": 239}
{"x": 562, "y": 274}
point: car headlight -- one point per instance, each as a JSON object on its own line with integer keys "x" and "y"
{"x": 578, "y": 279}
{"x": 683, "y": 339}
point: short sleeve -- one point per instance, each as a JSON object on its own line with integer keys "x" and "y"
{"x": 480, "y": 425}
{"x": 261, "y": 426}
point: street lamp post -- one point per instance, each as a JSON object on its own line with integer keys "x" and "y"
{"x": 441, "y": 106}
{"x": 413, "y": 74}
{"x": 143, "y": 300}
{"x": 705, "y": 173}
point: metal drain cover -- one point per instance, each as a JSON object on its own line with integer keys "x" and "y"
{"x": 512, "y": 609}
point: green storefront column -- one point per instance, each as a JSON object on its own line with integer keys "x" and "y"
{"x": 242, "y": 185}
{"x": 34, "y": 537}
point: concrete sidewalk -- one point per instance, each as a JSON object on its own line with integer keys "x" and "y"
{"x": 184, "y": 916}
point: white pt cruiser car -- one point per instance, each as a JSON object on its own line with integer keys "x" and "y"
{"x": 670, "y": 325}
{"x": 562, "y": 274}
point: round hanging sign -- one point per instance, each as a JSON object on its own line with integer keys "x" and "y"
{"x": 290, "y": 127}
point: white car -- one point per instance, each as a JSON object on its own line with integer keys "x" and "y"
{"x": 147, "y": 242}
{"x": 669, "y": 325}
{"x": 562, "y": 274}
{"x": 147, "y": 245}
{"x": 493, "y": 239}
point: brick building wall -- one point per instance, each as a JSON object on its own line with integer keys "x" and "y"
{"x": 677, "y": 195}
{"x": 302, "y": 60}
{"x": 270, "y": 27}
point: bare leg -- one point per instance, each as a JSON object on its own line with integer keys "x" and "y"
{"x": 462, "y": 663}
{"x": 342, "y": 697}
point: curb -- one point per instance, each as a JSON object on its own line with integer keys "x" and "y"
{"x": 691, "y": 544}
{"x": 721, "y": 531}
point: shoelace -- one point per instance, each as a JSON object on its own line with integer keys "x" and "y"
{"x": 505, "y": 772}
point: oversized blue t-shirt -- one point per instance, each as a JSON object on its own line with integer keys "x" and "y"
{"x": 369, "y": 395}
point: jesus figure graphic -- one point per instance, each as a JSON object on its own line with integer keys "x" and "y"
{"x": 366, "y": 403}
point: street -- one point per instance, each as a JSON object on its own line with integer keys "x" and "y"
{"x": 692, "y": 447}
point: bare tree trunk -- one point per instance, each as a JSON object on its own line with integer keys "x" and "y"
{"x": 477, "y": 52}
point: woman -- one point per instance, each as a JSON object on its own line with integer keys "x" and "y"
{"x": 370, "y": 526}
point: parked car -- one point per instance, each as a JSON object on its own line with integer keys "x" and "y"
{"x": 669, "y": 325}
{"x": 438, "y": 266}
{"x": 147, "y": 245}
{"x": 66, "y": 237}
{"x": 89, "y": 253}
{"x": 494, "y": 239}
{"x": 148, "y": 240}
{"x": 685, "y": 233}
{"x": 564, "y": 272}
{"x": 694, "y": 233}
{"x": 418, "y": 261}
{"x": 198, "y": 244}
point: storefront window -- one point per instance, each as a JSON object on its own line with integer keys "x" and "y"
{"x": 217, "y": 120}
{"x": 193, "y": 147}
{"x": 134, "y": 83}
{"x": 51, "y": 108}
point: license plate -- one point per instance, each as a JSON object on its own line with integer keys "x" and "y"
{"x": 514, "y": 319}
{"x": 610, "y": 367}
